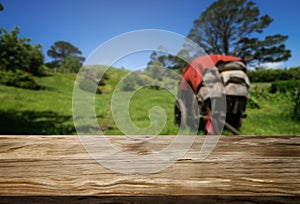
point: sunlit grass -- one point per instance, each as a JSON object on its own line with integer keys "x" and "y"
{"x": 49, "y": 110}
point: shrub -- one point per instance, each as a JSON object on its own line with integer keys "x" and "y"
{"x": 91, "y": 77}
{"x": 284, "y": 86}
{"x": 18, "y": 79}
{"x": 128, "y": 83}
{"x": 296, "y": 100}
{"x": 17, "y": 54}
{"x": 271, "y": 75}
{"x": 253, "y": 103}
{"x": 88, "y": 85}
{"x": 292, "y": 90}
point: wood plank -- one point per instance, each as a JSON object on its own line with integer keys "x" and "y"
{"x": 238, "y": 166}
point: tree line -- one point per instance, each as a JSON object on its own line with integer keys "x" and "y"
{"x": 20, "y": 60}
{"x": 18, "y": 54}
{"x": 272, "y": 75}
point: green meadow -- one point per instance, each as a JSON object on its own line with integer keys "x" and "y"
{"x": 48, "y": 111}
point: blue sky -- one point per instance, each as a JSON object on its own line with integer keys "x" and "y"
{"x": 89, "y": 23}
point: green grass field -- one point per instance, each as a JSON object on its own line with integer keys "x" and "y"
{"x": 49, "y": 110}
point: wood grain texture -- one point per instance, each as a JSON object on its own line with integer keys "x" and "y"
{"x": 238, "y": 166}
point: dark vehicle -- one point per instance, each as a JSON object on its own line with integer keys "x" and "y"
{"x": 214, "y": 90}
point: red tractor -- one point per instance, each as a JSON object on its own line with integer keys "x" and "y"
{"x": 213, "y": 92}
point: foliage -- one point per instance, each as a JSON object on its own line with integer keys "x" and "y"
{"x": 153, "y": 77}
{"x": 292, "y": 89}
{"x": 159, "y": 58}
{"x": 52, "y": 64}
{"x": 270, "y": 75}
{"x": 259, "y": 93}
{"x": 158, "y": 64}
{"x": 17, "y": 54}
{"x": 73, "y": 64}
{"x": 253, "y": 103}
{"x": 274, "y": 117}
{"x": 90, "y": 78}
{"x": 168, "y": 60}
{"x": 111, "y": 78}
{"x": 281, "y": 94}
{"x": 65, "y": 54}
{"x": 284, "y": 86}
{"x": 155, "y": 71}
{"x": 19, "y": 59}
{"x": 296, "y": 100}
{"x": 128, "y": 83}
{"x": 89, "y": 85}
{"x": 228, "y": 27}
{"x": 140, "y": 78}
{"x": 18, "y": 79}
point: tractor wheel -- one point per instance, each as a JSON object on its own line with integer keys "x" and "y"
{"x": 235, "y": 120}
{"x": 180, "y": 114}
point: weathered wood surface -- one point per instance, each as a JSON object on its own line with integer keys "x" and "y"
{"x": 238, "y": 166}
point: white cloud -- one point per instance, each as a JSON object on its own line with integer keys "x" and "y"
{"x": 272, "y": 65}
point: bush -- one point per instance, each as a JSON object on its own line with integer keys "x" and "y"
{"x": 18, "y": 79}
{"x": 292, "y": 90}
{"x": 88, "y": 85}
{"x": 271, "y": 75}
{"x": 128, "y": 83}
{"x": 284, "y": 86}
{"x": 17, "y": 54}
{"x": 296, "y": 100}
{"x": 253, "y": 103}
{"x": 91, "y": 77}
{"x": 154, "y": 87}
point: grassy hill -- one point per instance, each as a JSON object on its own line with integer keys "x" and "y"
{"x": 49, "y": 110}
{"x": 46, "y": 111}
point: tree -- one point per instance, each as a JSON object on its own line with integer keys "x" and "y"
{"x": 61, "y": 50}
{"x": 73, "y": 64}
{"x": 164, "y": 60}
{"x": 230, "y": 27}
{"x": 18, "y": 60}
{"x": 17, "y": 54}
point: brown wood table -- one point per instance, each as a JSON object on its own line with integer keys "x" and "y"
{"x": 58, "y": 169}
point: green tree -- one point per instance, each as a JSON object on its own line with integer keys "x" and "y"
{"x": 18, "y": 54}
{"x": 61, "y": 50}
{"x": 155, "y": 71}
{"x": 73, "y": 64}
{"x": 230, "y": 27}
{"x": 162, "y": 59}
